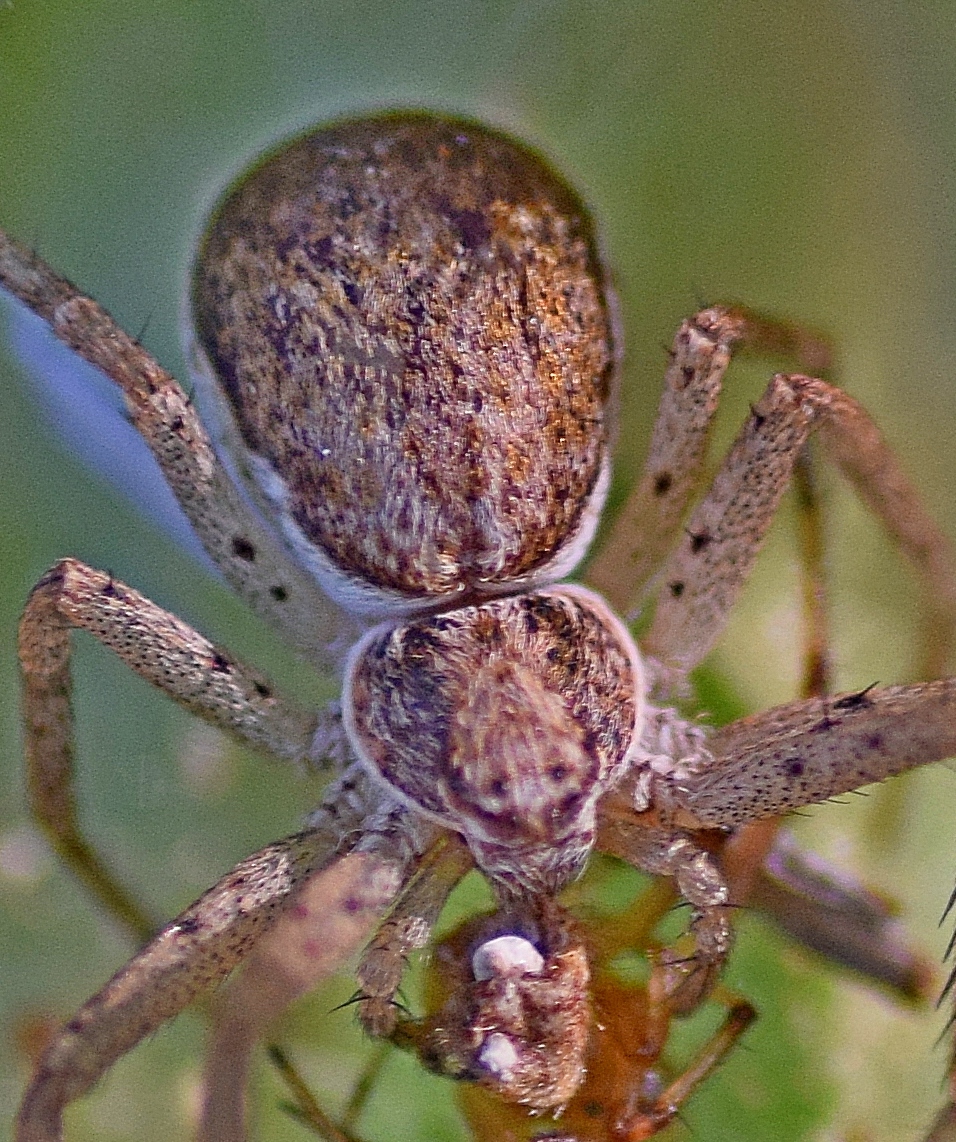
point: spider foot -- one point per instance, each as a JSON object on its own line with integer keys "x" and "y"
{"x": 686, "y": 980}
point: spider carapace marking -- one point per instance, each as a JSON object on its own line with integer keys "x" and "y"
{"x": 407, "y": 348}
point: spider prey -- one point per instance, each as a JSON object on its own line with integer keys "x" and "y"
{"x": 409, "y": 348}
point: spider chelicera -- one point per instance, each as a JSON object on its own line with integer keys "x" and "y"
{"x": 408, "y": 351}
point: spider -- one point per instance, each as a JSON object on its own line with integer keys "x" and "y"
{"x": 407, "y": 349}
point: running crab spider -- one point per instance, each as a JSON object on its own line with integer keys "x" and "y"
{"x": 415, "y": 347}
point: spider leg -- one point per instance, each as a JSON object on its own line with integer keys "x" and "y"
{"x": 705, "y": 573}
{"x": 249, "y": 554}
{"x": 850, "y": 925}
{"x": 328, "y": 922}
{"x": 194, "y": 952}
{"x": 649, "y": 1120}
{"x": 745, "y": 854}
{"x": 820, "y": 906}
{"x": 672, "y": 853}
{"x": 407, "y": 928}
{"x": 827, "y": 910}
{"x": 163, "y": 650}
{"x": 650, "y": 521}
{"x": 278, "y": 971}
{"x": 330, "y": 919}
{"x": 809, "y": 751}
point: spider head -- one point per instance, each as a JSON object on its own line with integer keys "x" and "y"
{"x": 506, "y": 721}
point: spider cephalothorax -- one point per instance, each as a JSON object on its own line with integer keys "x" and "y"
{"x": 505, "y": 721}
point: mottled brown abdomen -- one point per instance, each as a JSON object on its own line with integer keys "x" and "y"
{"x": 410, "y": 325}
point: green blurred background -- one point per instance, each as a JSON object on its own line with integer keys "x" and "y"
{"x": 798, "y": 156}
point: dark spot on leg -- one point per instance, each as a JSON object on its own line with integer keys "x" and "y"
{"x": 795, "y": 768}
{"x": 874, "y": 742}
{"x": 676, "y": 589}
{"x": 262, "y": 689}
{"x": 280, "y": 594}
{"x": 663, "y": 483}
{"x": 699, "y": 542}
{"x": 243, "y": 549}
{"x": 220, "y": 663}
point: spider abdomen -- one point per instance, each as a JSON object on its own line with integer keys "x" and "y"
{"x": 411, "y": 336}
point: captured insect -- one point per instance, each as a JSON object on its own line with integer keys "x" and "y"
{"x": 408, "y": 356}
